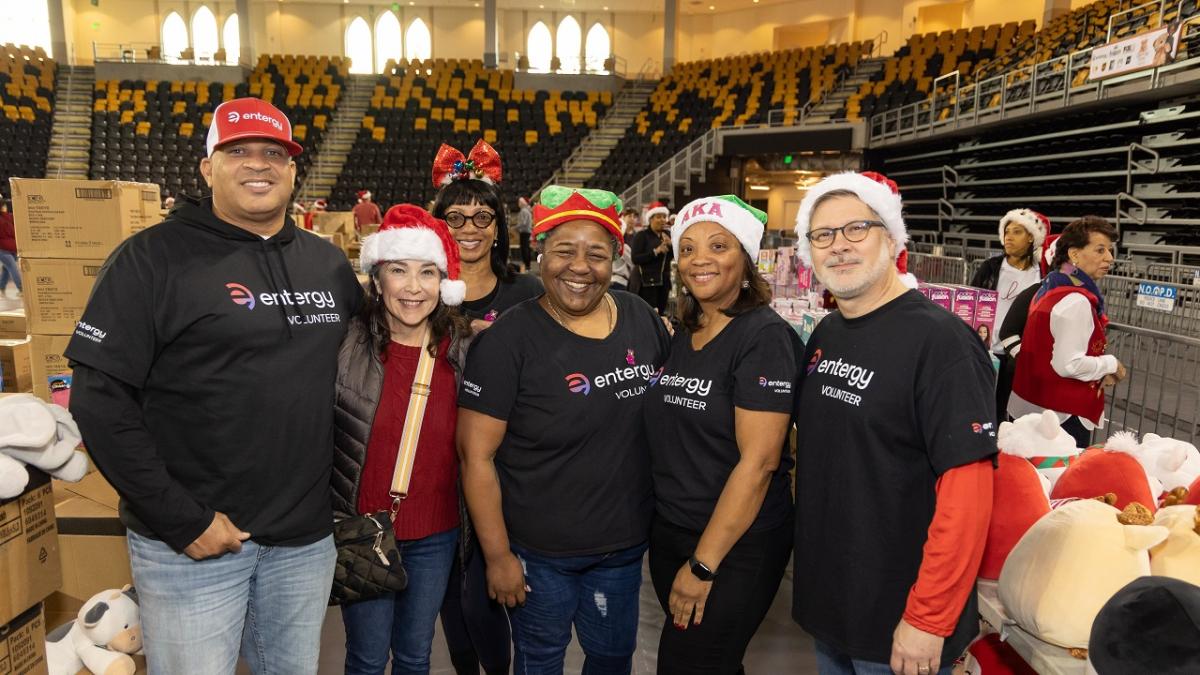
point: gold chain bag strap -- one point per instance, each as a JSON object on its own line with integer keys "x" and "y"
{"x": 368, "y": 560}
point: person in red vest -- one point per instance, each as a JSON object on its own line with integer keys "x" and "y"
{"x": 8, "y": 252}
{"x": 317, "y": 207}
{"x": 366, "y": 212}
{"x": 1063, "y": 366}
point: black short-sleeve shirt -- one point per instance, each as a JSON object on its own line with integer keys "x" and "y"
{"x": 751, "y": 365}
{"x": 573, "y": 465}
{"x": 505, "y": 295}
{"x": 890, "y": 401}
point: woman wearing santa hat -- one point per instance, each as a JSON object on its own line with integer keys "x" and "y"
{"x": 1022, "y": 232}
{"x": 409, "y": 315}
{"x": 554, "y": 454}
{"x": 1063, "y": 366}
{"x": 469, "y": 200}
{"x": 720, "y": 456}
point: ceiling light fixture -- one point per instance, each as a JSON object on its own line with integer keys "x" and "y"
{"x": 760, "y": 187}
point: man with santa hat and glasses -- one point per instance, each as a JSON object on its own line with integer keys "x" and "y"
{"x": 895, "y": 439}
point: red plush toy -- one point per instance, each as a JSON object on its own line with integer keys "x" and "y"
{"x": 1114, "y": 469}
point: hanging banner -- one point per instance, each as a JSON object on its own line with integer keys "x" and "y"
{"x": 1146, "y": 50}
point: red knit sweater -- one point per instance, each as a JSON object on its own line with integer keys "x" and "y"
{"x": 432, "y": 503}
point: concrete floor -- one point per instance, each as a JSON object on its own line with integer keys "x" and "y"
{"x": 779, "y": 647}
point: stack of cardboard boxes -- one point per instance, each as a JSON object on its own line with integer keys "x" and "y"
{"x": 65, "y": 231}
{"x": 30, "y": 571}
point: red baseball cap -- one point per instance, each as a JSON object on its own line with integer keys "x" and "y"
{"x": 250, "y": 118}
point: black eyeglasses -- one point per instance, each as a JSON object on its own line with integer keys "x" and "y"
{"x": 854, "y": 232}
{"x": 481, "y": 219}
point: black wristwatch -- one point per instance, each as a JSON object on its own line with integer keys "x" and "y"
{"x": 701, "y": 571}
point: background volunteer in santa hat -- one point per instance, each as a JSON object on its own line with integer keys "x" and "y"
{"x": 469, "y": 200}
{"x": 203, "y": 392}
{"x": 897, "y": 399}
{"x": 720, "y": 457}
{"x": 553, "y": 446}
{"x": 1022, "y": 233}
{"x": 414, "y": 288}
{"x": 651, "y": 253}
{"x": 366, "y": 212}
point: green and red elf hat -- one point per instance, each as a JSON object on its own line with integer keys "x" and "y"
{"x": 557, "y": 205}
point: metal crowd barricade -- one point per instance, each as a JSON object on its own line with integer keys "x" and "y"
{"x": 938, "y": 269}
{"x": 1121, "y": 305}
{"x": 1161, "y": 393}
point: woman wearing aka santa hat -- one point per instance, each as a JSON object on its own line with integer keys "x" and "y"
{"x": 1063, "y": 366}
{"x": 469, "y": 200}
{"x": 719, "y": 452}
{"x": 1022, "y": 232}
{"x": 413, "y": 291}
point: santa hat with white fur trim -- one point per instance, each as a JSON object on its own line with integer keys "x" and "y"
{"x": 1034, "y": 223}
{"x": 654, "y": 209}
{"x": 408, "y": 232}
{"x": 875, "y": 190}
{"x": 743, "y": 221}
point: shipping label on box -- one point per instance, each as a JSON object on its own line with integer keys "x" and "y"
{"x": 16, "y": 374}
{"x": 56, "y": 291}
{"x": 30, "y": 568}
{"x": 965, "y": 298}
{"x": 79, "y": 218}
{"x": 13, "y": 325}
{"x": 23, "y": 644}
{"x": 50, "y": 373}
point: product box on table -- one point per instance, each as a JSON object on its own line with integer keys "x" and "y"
{"x": 943, "y": 296}
{"x": 13, "y": 325}
{"x": 333, "y": 222}
{"x": 965, "y": 299}
{"x": 15, "y": 373}
{"x": 50, "y": 373}
{"x": 79, "y": 218}
{"x": 23, "y": 644}
{"x": 30, "y": 568}
{"x": 985, "y": 311}
{"x": 56, "y": 291}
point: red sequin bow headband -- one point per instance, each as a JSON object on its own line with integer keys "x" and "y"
{"x": 482, "y": 164}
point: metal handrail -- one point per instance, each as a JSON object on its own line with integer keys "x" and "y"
{"x": 62, "y": 157}
{"x": 1131, "y": 165}
{"x": 1126, "y": 197}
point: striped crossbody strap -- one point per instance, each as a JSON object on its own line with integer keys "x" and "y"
{"x": 412, "y": 424}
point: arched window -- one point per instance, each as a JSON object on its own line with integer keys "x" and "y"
{"x": 204, "y": 34}
{"x": 174, "y": 36}
{"x": 597, "y": 48}
{"x": 418, "y": 44}
{"x": 387, "y": 40}
{"x": 358, "y": 46}
{"x": 231, "y": 38}
{"x": 569, "y": 45}
{"x": 540, "y": 47}
{"x": 26, "y": 23}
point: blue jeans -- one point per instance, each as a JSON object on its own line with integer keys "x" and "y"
{"x": 402, "y": 623}
{"x": 268, "y": 602}
{"x": 832, "y": 662}
{"x": 598, "y": 594}
{"x": 8, "y": 268}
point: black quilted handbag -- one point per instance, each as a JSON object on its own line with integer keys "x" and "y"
{"x": 368, "y": 561}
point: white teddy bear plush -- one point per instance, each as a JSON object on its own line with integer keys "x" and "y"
{"x": 106, "y": 631}
{"x": 38, "y": 434}
{"x": 1174, "y": 463}
{"x": 1040, "y": 439}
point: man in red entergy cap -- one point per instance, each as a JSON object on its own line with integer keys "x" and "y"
{"x": 203, "y": 383}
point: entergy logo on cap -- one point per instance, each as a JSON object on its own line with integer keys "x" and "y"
{"x": 234, "y": 117}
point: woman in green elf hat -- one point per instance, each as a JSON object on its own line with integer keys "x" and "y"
{"x": 555, "y": 462}
{"x": 717, "y": 424}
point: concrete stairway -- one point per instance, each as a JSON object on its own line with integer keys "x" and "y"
{"x": 591, "y": 153}
{"x": 835, "y": 101}
{"x": 71, "y": 135}
{"x": 339, "y": 138}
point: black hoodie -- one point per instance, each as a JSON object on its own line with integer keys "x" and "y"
{"x": 204, "y": 376}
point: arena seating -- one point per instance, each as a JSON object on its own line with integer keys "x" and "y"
{"x": 700, "y": 95}
{"x": 154, "y": 131}
{"x": 1065, "y": 166}
{"x": 27, "y": 101}
{"x": 417, "y": 106}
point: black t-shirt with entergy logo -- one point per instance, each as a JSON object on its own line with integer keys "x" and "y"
{"x": 231, "y": 341}
{"x": 751, "y": 365}
{"x": 890, "y": 401}
{"x": 574, "y": 466}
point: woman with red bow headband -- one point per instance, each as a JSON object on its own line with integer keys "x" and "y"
{"x": 469, "y": 200}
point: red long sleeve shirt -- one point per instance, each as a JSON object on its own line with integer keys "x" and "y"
{"x": 432, "y": 503}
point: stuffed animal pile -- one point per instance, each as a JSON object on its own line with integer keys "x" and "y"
{"x": 1068, "y": 535}
{"x": 38, "y": 434}
{"x": 101, "y": 639}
